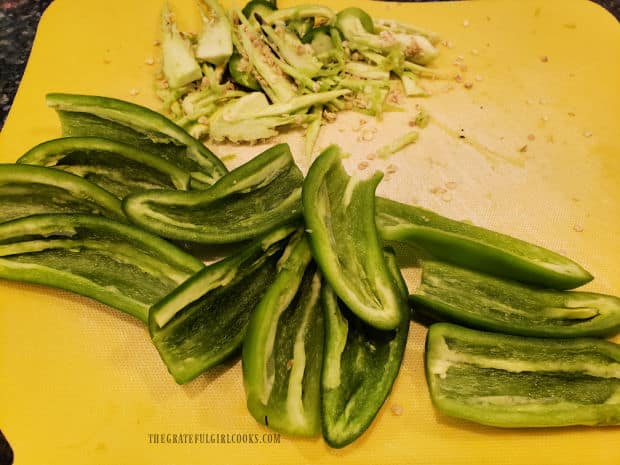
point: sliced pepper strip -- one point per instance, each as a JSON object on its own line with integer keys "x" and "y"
{"x": 282, "y": 351}
{"x": 203, "y": 321}
{"x": 477, "y": 248}
{"x": 340, "y": 216}
{"x": 145, "y": 129}
{"x": 360, "y": 365}
{"x": 30, "y": 190}
{"x": 252, "y": 199}
{"x": 114, "y": 263}
{"x": 516, "y": 382}
{"x": 116, "y": 167}
{"x": 485, "y": 302}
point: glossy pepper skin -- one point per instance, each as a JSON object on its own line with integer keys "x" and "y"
{"x": 360, "y": 365}
{"x": 477, "y": 248}
{"x": 140, "y": 127}
{"x": 340, "y": 220}
{"x": 481, "y": 301}
{"x": 283, "y": 347}
{"x": 202, "y": 322}
{"x": 114, "y": 263}
{"x": 32, "y": 190}
{"x": 516, "y": 382}
{"x": 252, "y": 199}
{"x": 116, "y": 167}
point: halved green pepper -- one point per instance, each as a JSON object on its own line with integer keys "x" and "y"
{"x": 477, "y": 248}
{"x": 282, "y": 351}
{"x": 145, "y": 129}
{"x": 482, "y": 301}
{"x": 116, "y": 167}
{"x": 516, "y": 382}
{"x": 340, "y": 217}
{"x": 259, "y": 195}
{"x": 203, "y": 321}
{"x": 360, "y": 364}
{"x": 32, "y": 190}
{"x": 114, "y": 263}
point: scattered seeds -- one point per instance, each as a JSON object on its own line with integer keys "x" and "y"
{"x": 451, "y": 185}
{"x": 544, "y": 59}
{"x": 587, "y": 134}
{"x": 397, "y": 410}
{"x": 578, "y": 228}
{"x": 438, "y": 190}
{"x": 367, "y": 135}
{"x": 447, "y": 197}
{"x": 134, "y": 91}
{"x": 362, "y": 165}
{"x": 466, "y": 23}
{"x": 468, "y": 85}
{"x": 531, "y": 137}
{"x": 523, "y": 149}
{"x": 149, "y": 61}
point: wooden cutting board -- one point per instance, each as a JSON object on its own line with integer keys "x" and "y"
{"x": 526, "y": 142}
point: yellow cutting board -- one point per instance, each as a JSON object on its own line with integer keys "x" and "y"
{"x": 538, "y": 106}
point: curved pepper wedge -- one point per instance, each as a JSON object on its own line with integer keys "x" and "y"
{"x": 116, "y": 167}
{"x": 145, "y": 129}
{"x": 477, "y": 248}
{"x": 252, "y": 199}
{"x": 282, "y": 351}
{"x": 517, "y": 382}
{"x": 360, "y": 364}
{"x": 482, "y": 301}
{"x": 204, "y": 320}
{"x": 31, "y": 190}
{"x": 114, "y": 263}
{"x": 340, "y": 218}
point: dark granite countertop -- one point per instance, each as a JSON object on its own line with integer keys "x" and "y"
{"x": 18, "y": 23}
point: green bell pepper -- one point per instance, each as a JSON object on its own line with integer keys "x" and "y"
{"x": 30, "y": 190}
{"x": 252, "y": 199}
{"x": 360, "y": 364}
{"x": 282, "y": 351}
{"x": 482, "y": 301}
{"x": 260, "y": 7}
{"x": 116, "y": 167}
{"x": 114, "y": 263}
{"x": 203, "y": 321}
{"x": 477, "y": 248}
{"x": 145, "y": 129}
{"x": 515, "y": 381}
{"x": 239, "y": 73}
{"x": 340, "y": 218}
